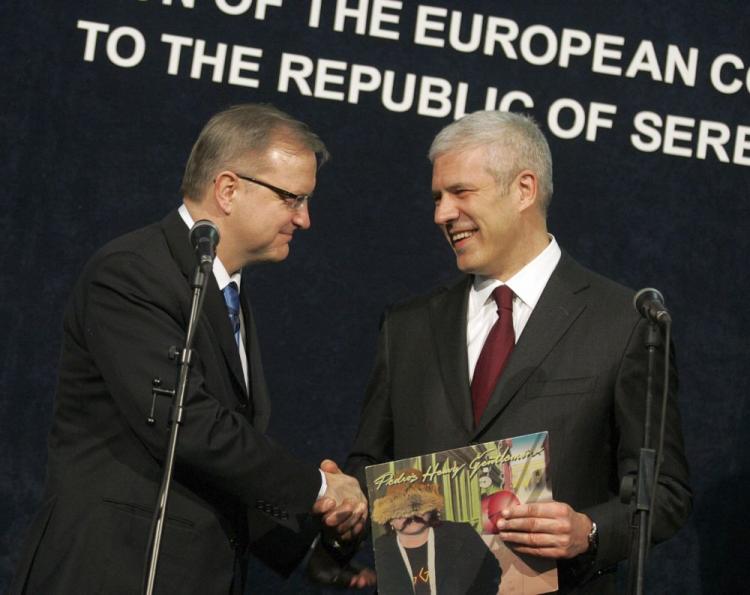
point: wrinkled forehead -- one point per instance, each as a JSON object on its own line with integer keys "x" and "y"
{"x": 459, "y": 167}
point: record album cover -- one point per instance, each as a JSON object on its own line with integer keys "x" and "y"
{"x": 433, "y": 519}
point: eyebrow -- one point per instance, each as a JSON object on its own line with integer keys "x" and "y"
{"x": 455, "y": 188}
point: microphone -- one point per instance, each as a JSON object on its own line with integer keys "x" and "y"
{"x": 204, "y": 236}
{"x": 649, "y": 303}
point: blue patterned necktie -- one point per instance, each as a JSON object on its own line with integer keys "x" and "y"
{"x": 232, "y": 299}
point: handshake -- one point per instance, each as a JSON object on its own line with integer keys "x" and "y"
{"x": 343, "y": 511}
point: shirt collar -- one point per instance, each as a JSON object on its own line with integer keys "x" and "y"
{"x": 223, "y": 278}
{"x": 527, "y": 284}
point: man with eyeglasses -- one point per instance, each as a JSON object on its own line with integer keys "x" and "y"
{"x": 235, "y": 491}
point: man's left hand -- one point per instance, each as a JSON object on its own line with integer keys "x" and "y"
{"x": 545, "y": 529}
{"x": 325, "y": 569}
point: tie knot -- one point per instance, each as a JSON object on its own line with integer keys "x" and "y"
{"x": 503, "y": 296}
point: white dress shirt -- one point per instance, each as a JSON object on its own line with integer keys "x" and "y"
{"x": 223, "y": 278}
{"x": 527, "y": 285}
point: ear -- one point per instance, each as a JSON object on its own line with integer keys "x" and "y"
{"x": 225, "y": 188}
{"x": 528, "y": 187}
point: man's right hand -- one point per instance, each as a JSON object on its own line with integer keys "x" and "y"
{"x": 343, "y": 506}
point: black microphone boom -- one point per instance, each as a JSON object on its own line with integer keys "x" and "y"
{"x": 649, "y": 303}
{"x": 204, "y": 236}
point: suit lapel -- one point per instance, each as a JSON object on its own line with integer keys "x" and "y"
{"x": 448, "y": 321}
{"x": 258, "y": 391}
{"x": 560, "y": 304}
{"x": 214, "y": 309}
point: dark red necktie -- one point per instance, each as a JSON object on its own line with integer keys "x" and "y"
{"x": 495, "y": 352}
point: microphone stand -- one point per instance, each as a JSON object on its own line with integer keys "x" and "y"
{"x": 641, "y": 490}
{"x": 200, "y": 279}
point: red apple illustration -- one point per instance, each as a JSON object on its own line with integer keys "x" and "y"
{"x": 493, "y": 505}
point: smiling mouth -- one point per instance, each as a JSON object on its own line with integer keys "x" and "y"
{"x": 459, "y": 236}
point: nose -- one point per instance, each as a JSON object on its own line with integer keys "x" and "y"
{"x": 445, "y": 210}
{"x": 301, "y": 217}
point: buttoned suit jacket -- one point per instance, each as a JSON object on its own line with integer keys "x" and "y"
{"x": 234, "y": 489}
{"x": 578, "y": 370}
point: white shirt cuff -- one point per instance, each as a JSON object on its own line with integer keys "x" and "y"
{"x": 323, "y": 484}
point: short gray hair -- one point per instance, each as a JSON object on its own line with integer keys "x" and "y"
{"x": 514, "y": 142}
{"x": 241, "y": 129}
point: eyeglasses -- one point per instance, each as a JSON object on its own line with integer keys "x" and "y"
{"x": 293, "y": 201}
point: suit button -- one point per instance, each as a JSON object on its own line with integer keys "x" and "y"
{"x": 241, "y": 407}
{"x": 233, "y": 543}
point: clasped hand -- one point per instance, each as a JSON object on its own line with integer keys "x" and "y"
{"x": 343, "y": 507}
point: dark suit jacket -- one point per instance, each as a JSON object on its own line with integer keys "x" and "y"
{"x": 578, "y": 370}
{"x": 233, "y": 487}
{"x": 464, "y": 565}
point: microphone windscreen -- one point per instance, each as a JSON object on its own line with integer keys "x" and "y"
{"x": 204, "y": 230}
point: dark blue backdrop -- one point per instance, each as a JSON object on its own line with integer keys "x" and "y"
{"x": 93, "y": 149}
